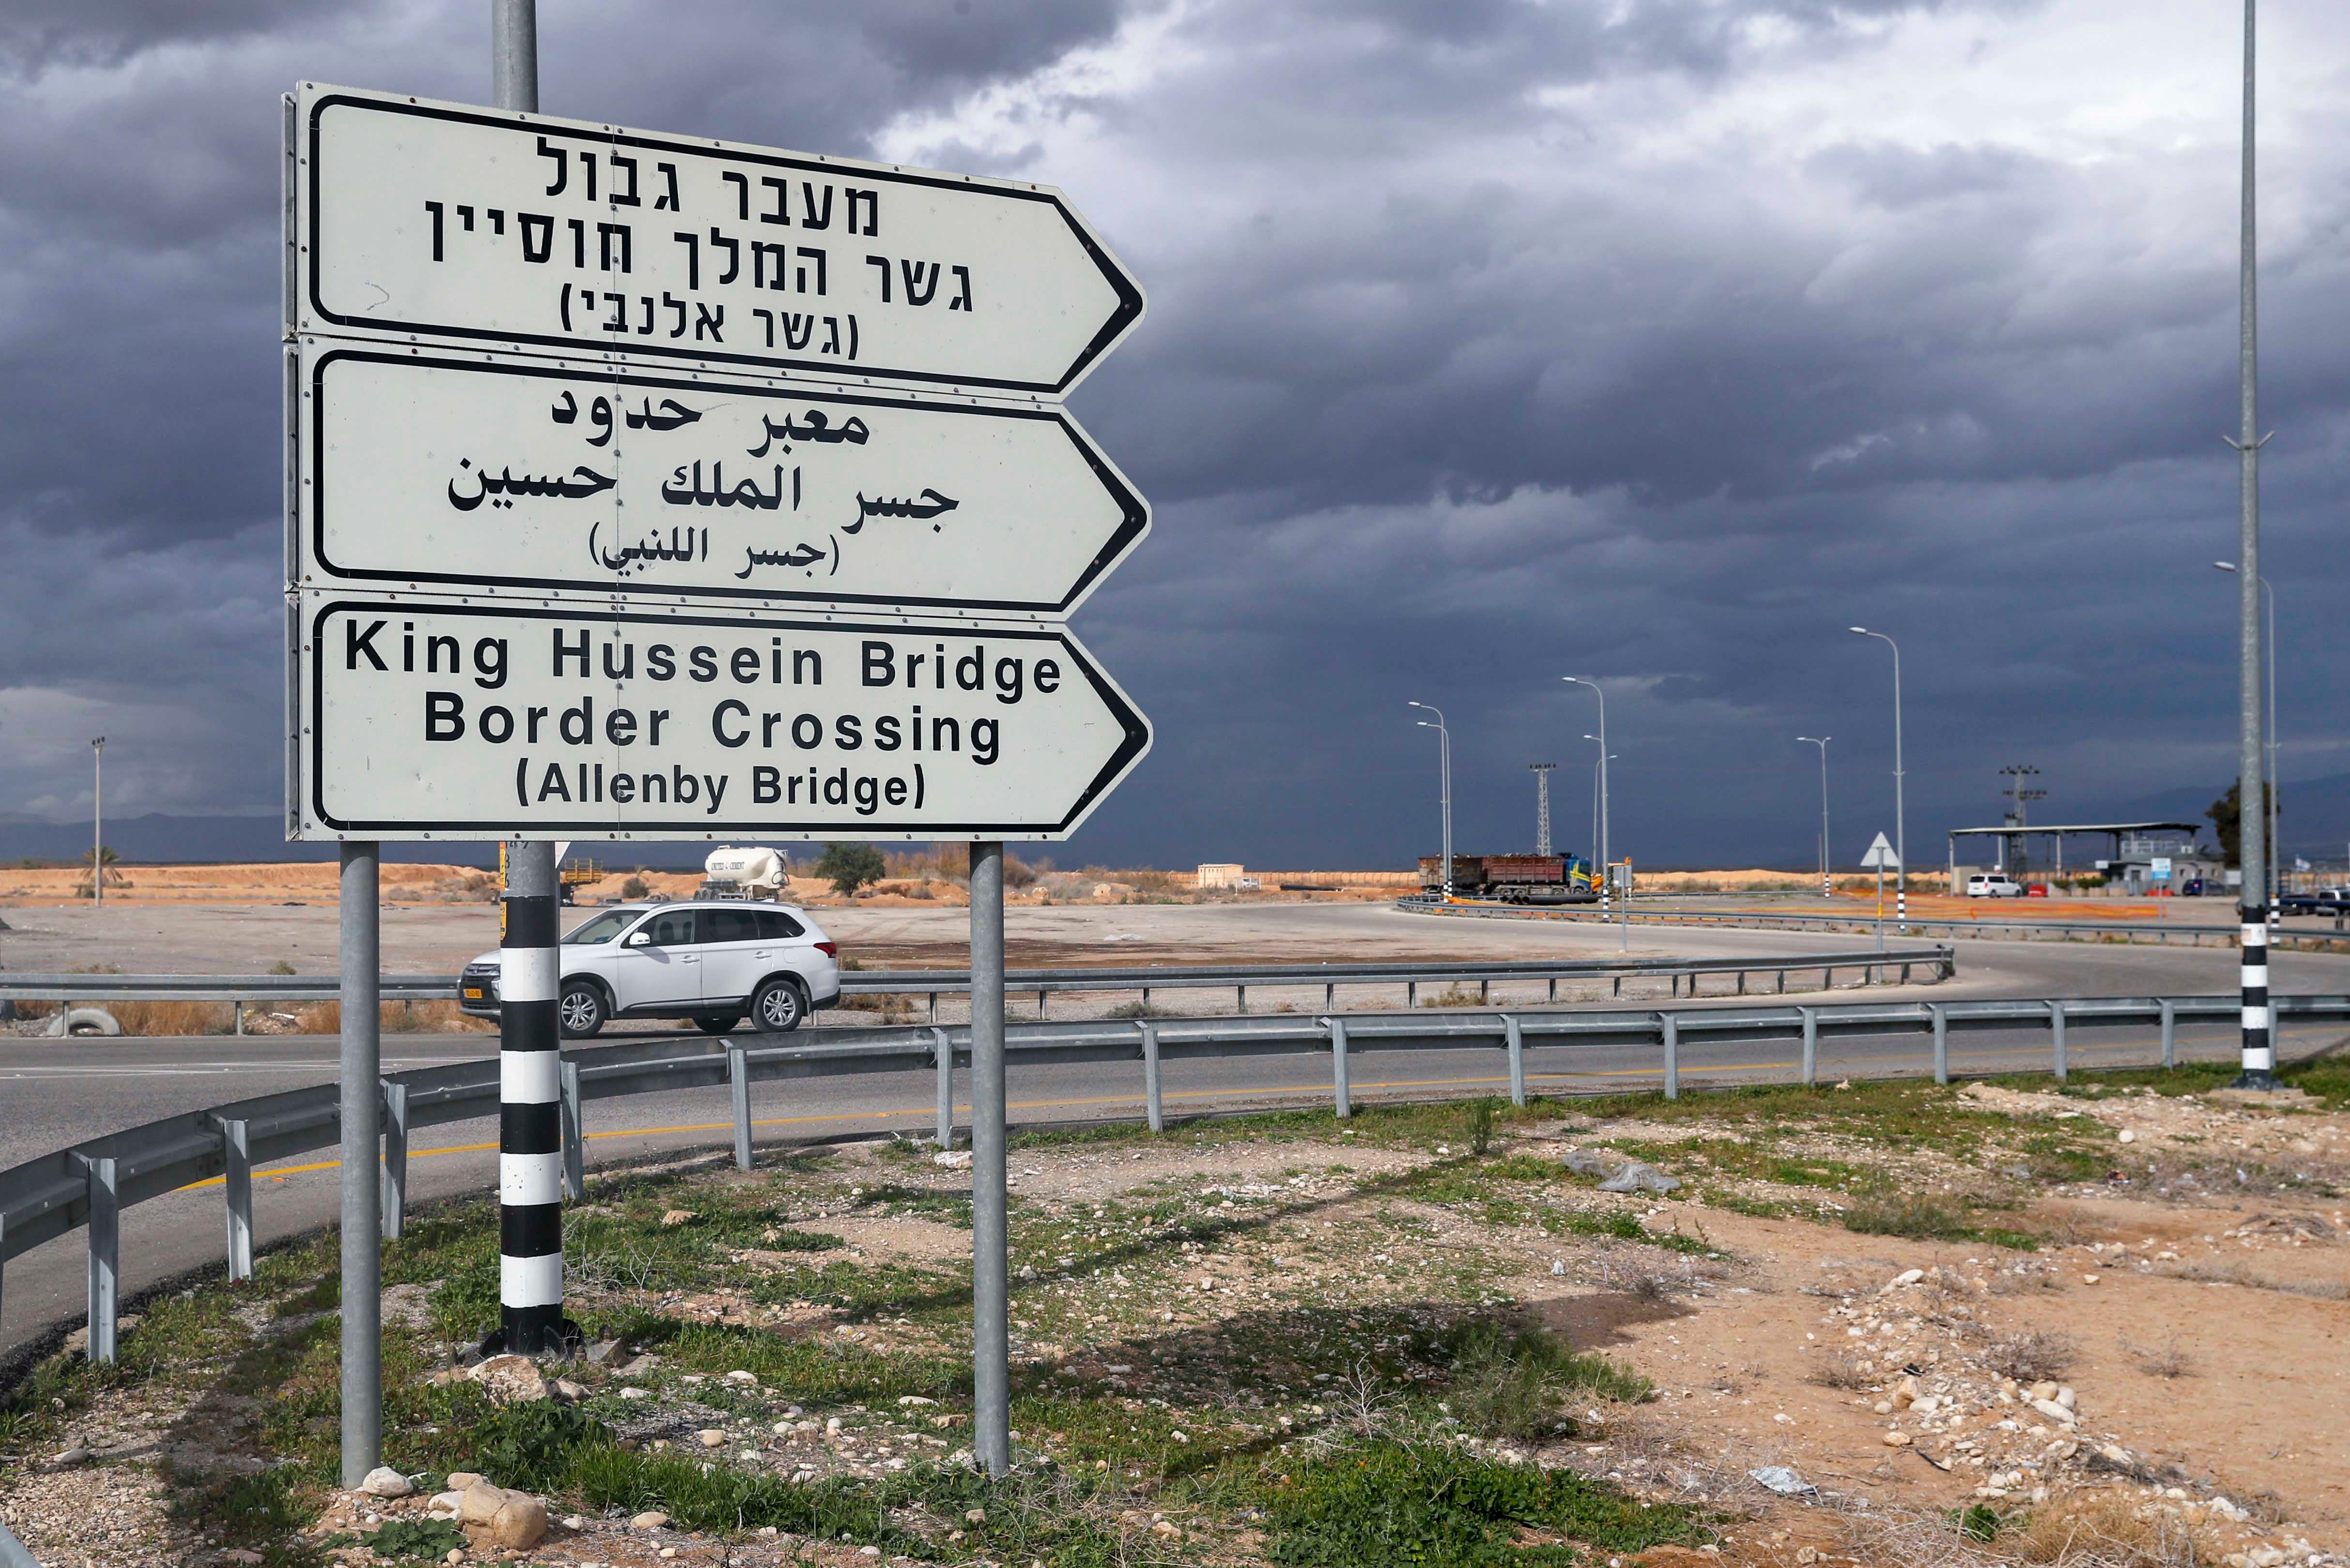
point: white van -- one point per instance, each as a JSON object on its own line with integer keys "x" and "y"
{"x": 1993, "y": 885}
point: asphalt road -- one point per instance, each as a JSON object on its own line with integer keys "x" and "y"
{"x": 57, "y": 1092}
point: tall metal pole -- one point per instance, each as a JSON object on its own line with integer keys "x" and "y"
{"x": 513, "y": 54}
{"x": 1444, "y": 782}
{"x": 1542, "y": 772}
{"x": 2258, "y": 1049}
{"x": 1827, "y": 884}
{"x": 1606, "y": 869}
{"x": 98, "y": 820}
{"x": 362, "y": 1216}
{"x": 530, "y": 1109}
{"x": 990, "y": 1226}
{"x": 530, "y": 1040}
{"x": 1900, "y": 814}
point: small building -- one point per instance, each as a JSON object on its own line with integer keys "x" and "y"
{"x": 1220, "y": 876}
{"x": 2138, "y": 850}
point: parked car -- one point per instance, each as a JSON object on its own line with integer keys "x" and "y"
{"x": 713, "y": 963}
{"x": 2193, "y": 888}
{"x": 1993, "y": 885}
{"x": 2322, "y": 901}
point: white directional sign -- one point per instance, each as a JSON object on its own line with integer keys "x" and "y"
{"x": 425, "y": 719}
{"x": 523, "y": 232}
{"x": 1881, "y": 856}
{"x": 463, "y": 474}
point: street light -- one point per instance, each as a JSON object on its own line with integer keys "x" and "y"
{"x": 98, "y": 820}
{"x": 2275, "y": 858}
{"x": 1607, "y": 878}
{"x": 1596, "y": 763}
{"x": 1901, "y": 829}
{"x": 1827, "y": 886}
{"x": 1444, "y": 769}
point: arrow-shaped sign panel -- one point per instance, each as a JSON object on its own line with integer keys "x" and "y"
{"x": 422, "y": 720}
{"x": 412, "y": 217}
{"x": 541, "y": 476}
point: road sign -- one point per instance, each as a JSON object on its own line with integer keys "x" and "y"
{"x": 523, "y": 232}
{"x": 1880, "y": 855}
{"x": 425, "y": 719}
{"x": 468, "y": 473}
{"x": 2158, "y": 869}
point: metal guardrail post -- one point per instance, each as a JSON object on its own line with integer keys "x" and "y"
{"x": 1516, "y": 1035}
{"x": 1150, "y": 1102}
{"x": 236, "y": 1184}
{"x": 575, "y": 1134}
{"x": 942, "y": 1060}
{"x": 2169, "y": 1032}
{"x": 2057, "y": 1036}
{"x": 240, "y": 1019}
{"x": 738, "y": 1080}
{"x": 1811, "y": 1046}
{"x": 1411, "y": 993}
{"x": 105, "y": 1257}
{"x": 393, "y": 1200}
{"x": 14, "y": 1553}
{"x": 1941, "y": 1042}
{"x": 1243, "y": 991}
{"x": 1342, "y": 1096}
{"x": 1672, "y": 1032}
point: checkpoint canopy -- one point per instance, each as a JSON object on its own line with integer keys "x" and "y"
{"x": 650, "y": 486}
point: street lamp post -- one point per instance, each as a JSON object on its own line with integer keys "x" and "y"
{"x": 98, "y": 820}
{"x": 2276, "y": 860}
{"x": 1606, "y": 874}
{"x": 1901, "y": 829}
{"x": 2259, "y": 1042}
{"x": 1827, "y": 886}
{"x": 1444, "y": 770}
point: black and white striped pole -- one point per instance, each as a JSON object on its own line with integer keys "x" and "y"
{"x": 2259, "y": 1065}
{"x": 530, "y": 1112}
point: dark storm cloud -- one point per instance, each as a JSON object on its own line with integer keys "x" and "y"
{"x": 1488, "y": 341}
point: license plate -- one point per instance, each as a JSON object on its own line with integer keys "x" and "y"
{"x": 472, "y": 994}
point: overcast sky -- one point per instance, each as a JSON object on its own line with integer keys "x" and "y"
{"x": 1653, "y": 340}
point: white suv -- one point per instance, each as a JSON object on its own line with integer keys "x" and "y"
{"x": 712, "y": 962}
{"x": 1993, "y": 885}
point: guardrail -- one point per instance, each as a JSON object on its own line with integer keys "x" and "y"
{"x": 242, "y": 989}
{"x": 2280, "y": 935}
{"x": 88, "y": 1186}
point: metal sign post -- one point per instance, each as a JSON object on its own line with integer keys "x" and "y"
{"x": 991, "y": 1257}
{"x": 362, "y": 1216}
{"x": 1880, "y": 855}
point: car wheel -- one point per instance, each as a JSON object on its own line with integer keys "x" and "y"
{"x": 778, "y": 1007}
{"x": 579, "y": 1010}
{"x": 716, "y": 1023}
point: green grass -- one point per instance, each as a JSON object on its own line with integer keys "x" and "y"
{"x": 1387, "y": 1502}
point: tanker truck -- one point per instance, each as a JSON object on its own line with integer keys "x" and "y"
{"x": 752, "y": 873}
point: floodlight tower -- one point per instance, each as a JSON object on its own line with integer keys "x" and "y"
{"x": 1542, "y": 772}
{"x": 2015, "y": 774}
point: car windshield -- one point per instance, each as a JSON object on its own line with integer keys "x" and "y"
{"x": 603, "y": 927}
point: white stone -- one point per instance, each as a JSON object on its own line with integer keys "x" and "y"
{"x": 649, "y": 1520}
{"x": 385, "y": 1481}
{"x": 635, "y": 1393}
{"x": 2054, "y": 1411}
{"x": 739, "y": 1376}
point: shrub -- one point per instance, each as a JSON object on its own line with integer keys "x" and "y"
{"x": 635, "y": 887}
{"x": 1380, "y": 1504}
{"x": 1481, "y": 1128}
{"x": 848, "y": 866}
{"x": 1508, "y": 1380}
